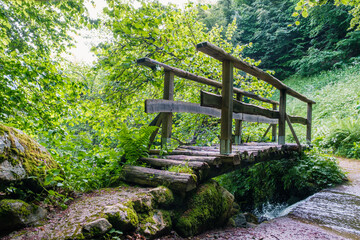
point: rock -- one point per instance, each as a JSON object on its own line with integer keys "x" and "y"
{"x": 122, "y": 217}
{"x": 210, "y": 206}
{"x": 20, "y": 158}
{"x": 251, "y": 218}
{"x": 162, "y": 197}
{"x": 143, "y": 204}
{"x": 16, "y": 213}
{"x": 156, "y": 224}
{"x": 96, "y": 228}
{"x": 240, "y": 220}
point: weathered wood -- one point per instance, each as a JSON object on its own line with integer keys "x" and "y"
{"x": 167, "y": 119}
{"x": 273, "y": 133}
{"x": 215, "y": 101}
{"x": 187, "y": 158}
{"x": 267, "y": 130}
{"x": 190, "y": 76}
{"x": 282, "y": 117}
{"x": 222, "y": 55}
{"x": 308, "y": 124}
{"x": 160, "y": 105}
{"x": 293, "y": 131}
{"x": 164, "y": 163}
{"x": 156, "y": 122}
{"x": 180, "y": 151}
{"x": 238, "y": 123}
{"x": 182, "y": 182}
{"x": 297, "y": 119}
{"x": 226, "y": 107}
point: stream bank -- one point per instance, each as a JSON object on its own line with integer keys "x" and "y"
{"x": 329, "y": 214}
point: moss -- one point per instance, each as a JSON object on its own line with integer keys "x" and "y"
{"x": 206, "y": 207}
{"x": 162, "y": 196}
{"x": 7, "y": 207}
{"x": 33, "y": 159}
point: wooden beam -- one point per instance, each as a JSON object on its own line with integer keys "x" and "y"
{"x": 273, "y": 133}
{"x": 167, "y": 118}
{"x": 226, "y": 107}
{"x": 181, "y": 182}
{"x": 213, "y": 100}
{"x": 297, "y": 119}
{"x": 267, "y": 130}
{"x": 190, "y": 76}
{"x": 282, "y": 117}
{"x": 222, "y": 55}
{"x": 308, "y": 124}
{"x": 293, "y": 131}
{"x": 156, "y": 122}
{"x": 160, "y": 105}
{"x": 238, "y": 124}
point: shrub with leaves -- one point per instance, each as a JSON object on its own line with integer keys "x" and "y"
{"x": 281, "y": 180}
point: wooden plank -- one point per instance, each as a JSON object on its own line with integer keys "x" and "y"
{"x": 297, "y": 119}
{"x": 164, "y": 163}
{"x": 308, "y": 124}
{"x": 190, "y": 76}
{"x": 238, "y": 123}
{"x": 160, "y": 105}
{"x": 293, "y": 131}
{"x": 213, "y": 100}
{"x": 167, "y": 118}
{"x": 182, "y": 182}
{"x": 267, "y": 130}
{"x": 156, "y": 122}
{"x": 180, "y": 151}
{"x": 186, "y": 158}
{"x": 273, "y": 132}
{"x": 226, "y": 107}
{"x": 282, "y": 117}
{"x": 221, "y": 55}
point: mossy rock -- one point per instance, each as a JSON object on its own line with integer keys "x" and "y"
{"x": 123, "y": 217}
{"x": 16, "y": 213}
{"x": 155, "y": 223}
{"x": 22, "y": 159}
{"x": 208, "y": 207}
{"x": 162, "y": 197}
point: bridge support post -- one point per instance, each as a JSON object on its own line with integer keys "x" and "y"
{"x": 167, "y": 118}
{"x": 226, "y": 107}
{"x": 308, "y": 123}
{"x": 238, "y": 124}
{"x": 274, "y": 127}
{"x": 282, "y": 118}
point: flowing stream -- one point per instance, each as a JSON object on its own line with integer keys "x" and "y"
{"x": 336, "y": 209}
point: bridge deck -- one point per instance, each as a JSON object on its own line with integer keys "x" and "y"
{"x": 205, "y": 163}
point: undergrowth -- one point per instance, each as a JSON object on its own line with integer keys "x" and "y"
{"x": 285, "y": 180}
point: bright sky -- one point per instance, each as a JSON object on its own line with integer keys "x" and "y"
{"x": 87, "y": 39}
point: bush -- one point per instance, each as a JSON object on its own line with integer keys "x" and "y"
{"x": 282, "y": 180}
{"x": 343, "y": 138}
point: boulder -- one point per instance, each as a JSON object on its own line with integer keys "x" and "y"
{"x": 155, "y": 224}
{"x": 210, "y": 206}
{"x": 16, "y": 213}
{"x": 162, "y": 197}
{"x": 22, "y": 158}
{"x": 122, "y": 217}
{"x": 96, "y": 228}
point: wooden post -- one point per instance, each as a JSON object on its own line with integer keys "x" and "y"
{"x": 167, "y": 118}
{"x": 282, "y": 118}
{"x": 308, "y": 124}
{"x": 226, "y": 107}
{"x": 273, "y": 138}
{"x": 238, "y": 123}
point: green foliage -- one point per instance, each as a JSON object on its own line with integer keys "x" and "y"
{"x": 281, "y": 180}
{"x": 181, "y": 169}
{"x": 135, "y": 143}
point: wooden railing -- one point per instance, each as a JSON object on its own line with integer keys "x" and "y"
{"x": 225, "y": 106}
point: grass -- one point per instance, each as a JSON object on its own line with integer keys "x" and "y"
{"x": 337, "y": 97}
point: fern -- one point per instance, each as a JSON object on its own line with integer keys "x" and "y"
{"x": 135, "y": 143}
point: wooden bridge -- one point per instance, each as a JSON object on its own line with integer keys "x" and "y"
{"x": 208, "y": 162}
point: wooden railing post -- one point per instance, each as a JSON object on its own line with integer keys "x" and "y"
{"x": 308, "y": 123}
{"x": 167, "y": 118}
{"x": 273, "y": 138}
{"x": 226, "y": 107}
{"x": 238, "y": 124}
{"x": 282, "y": 117}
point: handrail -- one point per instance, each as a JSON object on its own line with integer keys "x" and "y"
{"x": 190, "y": 76}
{"x": 221, "y": 55}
